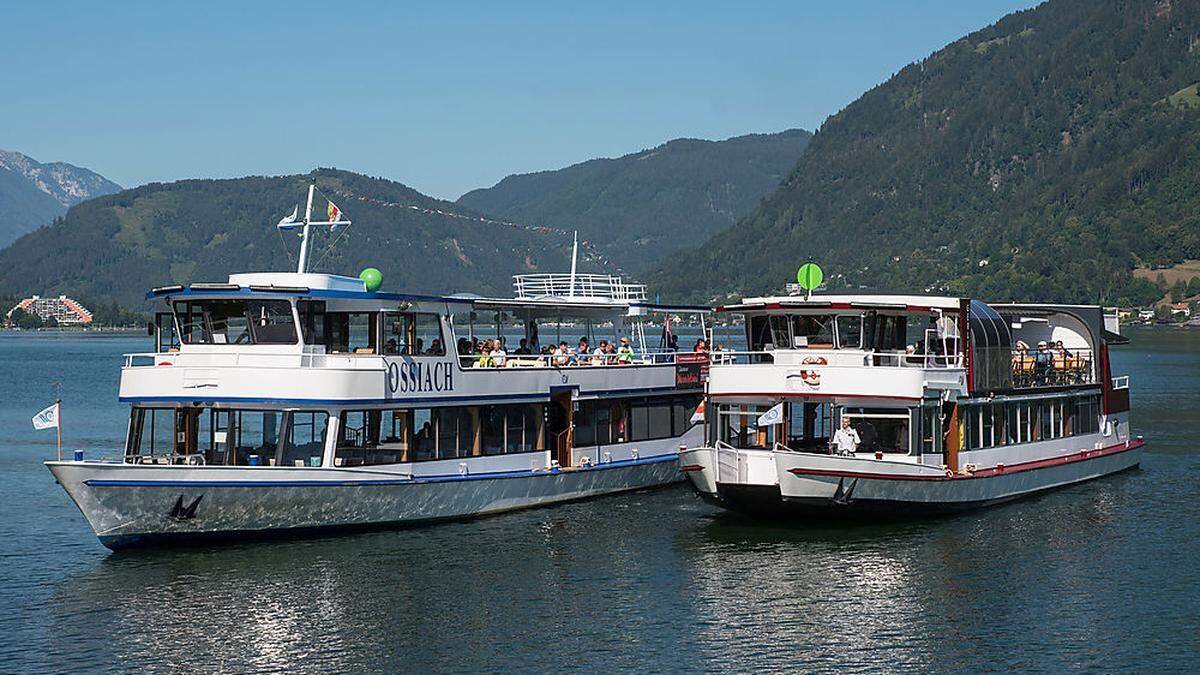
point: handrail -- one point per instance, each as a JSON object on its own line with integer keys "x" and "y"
{"x": 1035, "y": 368}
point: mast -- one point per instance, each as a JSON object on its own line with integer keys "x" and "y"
{"x": 304, "y": 238}
{"x": 574, "y": 259}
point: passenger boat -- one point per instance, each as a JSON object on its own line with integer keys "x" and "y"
{"x": 280, "y": 403}
{"x": 952, "y": 401}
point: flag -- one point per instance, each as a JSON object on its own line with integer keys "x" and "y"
{"x": 772, "y": 416}
{"x": 46, "y": 419}
{"x": 335, "y": 214}
{"x": 698, "y": 416}
{"x": 288, "y": 220}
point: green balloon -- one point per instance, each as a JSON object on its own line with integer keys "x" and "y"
{"x": 809, "y": 276}
{"x": 372, "y": 278}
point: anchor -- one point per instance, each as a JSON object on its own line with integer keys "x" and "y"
{"x": 181, "y": 512}
{"x": 842, "y": 496}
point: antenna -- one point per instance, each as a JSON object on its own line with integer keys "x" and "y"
{"x": 304, "y": 237}
{"x": 574, "y": 260}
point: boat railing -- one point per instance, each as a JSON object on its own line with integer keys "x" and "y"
{"x": 837, "y": 359}
{"x": 487, "y": 361}
{"x": 1050, "y": 368}
{"x": 589, "y": 286}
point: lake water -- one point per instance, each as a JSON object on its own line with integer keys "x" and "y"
{"x": 1101, "y": 576}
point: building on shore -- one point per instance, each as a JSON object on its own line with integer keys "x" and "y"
{"x": 62, "y": 309}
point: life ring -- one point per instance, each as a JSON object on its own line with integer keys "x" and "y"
{"x": 812, "y": 377}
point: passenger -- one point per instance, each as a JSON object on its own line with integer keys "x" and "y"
{"x": 673, "y": 342}
{"x": 1043, "y": 360}
{"x": 499, "y": 355}
{"x": 435, "y": 348}
{"x": 420, "y": 347}
{"x": 846, "y": 440}
{"x": 390, "y": 346}
{"x": 624, "y": 352}
{"x": 580, "y": 356}
{"x": 1061, "y": 351}
{"x": 562, "y": 355}
{"x": 523, "y": 348}
{"x": 700, "y": 347}
{"x": 610, "y": 354}
{"x": 598, "y": 356}
{"x": 485, "y": 355}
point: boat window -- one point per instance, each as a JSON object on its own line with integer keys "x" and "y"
{"x": 880, "y": 429}
{"x": 885, "y": 332}
{"x": 351, "y": 332}
{"x": 455, "y": 432}
{"x": 305, "y": 444}
{"x": 737, "y": 425}
{"x": 413, "y": 334}
{"x": 759, "y": 334}
{"x": 253, "y": 436}
{"x": 931, "y": 429}
{"x": 808, "y": 425}
{"x": 312, "y": 321}
{"x": 151, "y": 432}
{"x": 849, "y": 330}
{"x": 988, "y": 425}
{"x": 812, "y": 331}
{"x": 263, "y": 322}
{"x": 165, "y": 337}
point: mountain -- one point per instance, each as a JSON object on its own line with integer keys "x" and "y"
{"x": 1043, "y": 157}
{"x": 641, "y": 208}
{"x": 32, "y": 194}
{"x": 118, "y": 246}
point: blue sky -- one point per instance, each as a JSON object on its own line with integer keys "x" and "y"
{"x": 443, "y": 97}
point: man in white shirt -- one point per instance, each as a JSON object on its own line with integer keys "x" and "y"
{"x": 846, "y": 440}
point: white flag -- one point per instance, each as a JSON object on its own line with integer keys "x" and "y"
{"x": 772, "y": 416}
{"x": 288, "y": 220}
{"x": 47, "y": 419}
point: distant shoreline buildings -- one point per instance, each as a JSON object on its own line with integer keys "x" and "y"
{"x": 63, "y": 310}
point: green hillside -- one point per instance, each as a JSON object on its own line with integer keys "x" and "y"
{"x": 1044, "y": 157}
{"x": 118, "y": 246}
{"x": 643, "y": 207}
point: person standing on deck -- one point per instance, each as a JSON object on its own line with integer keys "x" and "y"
{"x": 846, "y": 440}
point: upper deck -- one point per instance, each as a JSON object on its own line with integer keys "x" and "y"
{"x": 287, "y": 339}
{"x": 907, "y": 347}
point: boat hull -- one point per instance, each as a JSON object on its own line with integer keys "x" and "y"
{"x": 128, "y": 505}
{"x": 828, "y": 487}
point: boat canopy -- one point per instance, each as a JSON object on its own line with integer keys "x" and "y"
{"x": 991, "y": 347}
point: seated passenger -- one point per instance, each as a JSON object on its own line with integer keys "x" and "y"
{"x": 624, "y": 352}
{"x": 435, "y": 348}
{"x": 485, "y": 355}
{"x": 499, "y": 354}
{"x": 390, "y": 347}
{"x": 523, "y": 348}
{"x": 700, "y": 347}
{"x": 579, "y": 357}
{"x": 562, "y": 354}
{"x": 598, "y": 357}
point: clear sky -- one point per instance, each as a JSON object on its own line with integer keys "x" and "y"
{"x": 443, "y": 97}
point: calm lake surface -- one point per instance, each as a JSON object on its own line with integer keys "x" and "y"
{"x": 1102, "y": 576}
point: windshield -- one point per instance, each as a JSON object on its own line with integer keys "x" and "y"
{"x": 236, "y": 322}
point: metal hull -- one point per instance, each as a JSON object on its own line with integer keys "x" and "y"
{"x": 129, "y": 505}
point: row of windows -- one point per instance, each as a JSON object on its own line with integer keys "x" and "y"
{"x": 987, "y": 425}
{"x": 229, "y": 437}
{"x": 370, "y": 437}
{"x": 403, "y": 333}
{"x": 808, "y": 425}
{"x": 642, "y": 419}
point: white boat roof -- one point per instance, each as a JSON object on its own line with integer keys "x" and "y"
{"x": 846, "y": 301}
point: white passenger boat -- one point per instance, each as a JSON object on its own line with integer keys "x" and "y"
{"x": 277, "y": 403}
{"x": 952, "y": 401}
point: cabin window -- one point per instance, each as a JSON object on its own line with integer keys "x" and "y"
{"x": 165, "y": 336}
{"x": 812, "y": 331}
{"x": 511, "y": 429}
{"x": 849, "y": 332}
{"x": 880, "y": 429}
{"x": 455, "y": 432}
{"x": 236, "y": 322}
{"x": 413, "y": 334}
{"x": 306, "y": 438}
{"x": 931, "y": 429}
{"x": 253, "y": 436}
{"x": 808, "y": 424}
{"x": 370, "y": 437}
{"x": 312, "y": 321}
{"x": 737, "y": 425}
{"x": 759, "y": 334}
{"x": 151, "y": 432}
{"x": 352, "y": 332}
{"x": 883, "y": 332}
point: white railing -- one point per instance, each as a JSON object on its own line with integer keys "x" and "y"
{"x": 478, "y": 361}
{"x": 1032, "y": 368}
{"x": 1120, "y": 382}
{"x": 816, "y": 359}
{"x": 592, "y": 286}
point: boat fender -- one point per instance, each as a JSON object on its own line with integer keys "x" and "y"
{"x": 949, "y": 473}
{"x": 970, "y": 468}
{"x": 999, "y": 468}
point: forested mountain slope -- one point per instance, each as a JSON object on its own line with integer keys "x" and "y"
{"x": 1043, "y": 157}
{"x": 118, "y": 246}
{"x": 641, "y": 208}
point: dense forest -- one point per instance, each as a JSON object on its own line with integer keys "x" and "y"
{"x": 1044, "y": 157}
{"x": 115, "y": 248}
{"x": 644, "y": 207}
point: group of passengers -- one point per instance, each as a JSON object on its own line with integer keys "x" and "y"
{"x": 493, "y": 353}
{"x": 1045, "y": 357}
